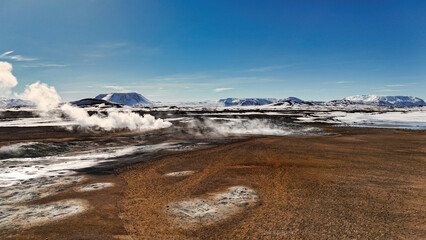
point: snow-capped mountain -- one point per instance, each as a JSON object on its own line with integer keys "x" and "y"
{"x": 397, "y": 101}
{"x": 288, "y": 101}
{"x": 246, "y": 101}
{"x": 291, "y": 99}
{"x": 129, "y": 99}
{"x": 7, "y": 102}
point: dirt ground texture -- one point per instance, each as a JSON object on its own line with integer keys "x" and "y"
{"x": 99, "y": 221}
{"x": 360, "y": 183}
{"x": 357, "y": 184}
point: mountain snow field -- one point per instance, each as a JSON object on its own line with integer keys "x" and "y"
{"x": 129, "y": 99}
{"x": 397, "y": 101}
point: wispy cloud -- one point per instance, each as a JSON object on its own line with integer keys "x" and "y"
{"x": 269, "y": 68}
{"x": 7, "y": 55}
{"x": 221, "y": 89}
{"x": 396, "y": 85}
{"x": 105, "y": 49}
{"x": 41, "y": 65}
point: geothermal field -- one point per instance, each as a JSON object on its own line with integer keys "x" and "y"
{"x": 275, "y": 171}
{"x": 199, "y": 120}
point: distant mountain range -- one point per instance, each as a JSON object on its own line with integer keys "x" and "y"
{"x": 136, "y": 99}
{"x": 397, "y": 101}
{"x": 246, "y": 101}
{"x": 376, "y": 100}
{"x": 228, "y": 102}
{"x": 10, "y": 102}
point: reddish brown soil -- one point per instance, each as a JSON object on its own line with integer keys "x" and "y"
{"x": 357, "y": 184}
{"x": 100, "y": 221}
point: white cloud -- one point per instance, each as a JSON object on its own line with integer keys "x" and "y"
{"x": 396, "y": 85}
{"x": 7, "y": 55}
{"x": 343, "y": 82}
{"x": 222, "y": 89}
{"x": 7, "y": 80}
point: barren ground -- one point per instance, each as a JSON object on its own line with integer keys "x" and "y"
{"x": 360, "y": 183}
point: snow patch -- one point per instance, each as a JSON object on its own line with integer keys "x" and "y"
{"x": 15, "y": 170}
{"x": 212, "y": 208}
{"x": 8, "y": 103}
{"x": 28, "y": 216}
{"x": 14, "y": 148}
{"x": 129, "y": 99}
{"x": 397, "y": 101}
{"x": 94, "y": 186}
{"x": 413, "y": 120}
{"x": 179, "y": 174}
{"x": 397, "y": 119}
{"x": 35, "y": 189}
{"x": 31, "y": 149}
{"x": 246, "y": 101}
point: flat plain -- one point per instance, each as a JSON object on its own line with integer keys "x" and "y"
{"x": 357, "y": 183}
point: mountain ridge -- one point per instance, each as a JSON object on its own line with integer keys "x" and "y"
{"x": 14, "y": 102}
{"x": 386, "y": 100}
{"x": 129, "y": 98}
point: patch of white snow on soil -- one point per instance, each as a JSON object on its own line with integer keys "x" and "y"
{"x": 32, "y": 215}
{"x": 94, "y": 186}
{"x": 212, "y": 208}
{"x": 179, "y": 174}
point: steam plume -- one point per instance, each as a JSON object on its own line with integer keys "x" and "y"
{"x": 46, "y": 99}
{"x": 114, "y": 120}
{"x": 7, "y": 80}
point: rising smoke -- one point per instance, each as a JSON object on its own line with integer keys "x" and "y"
{"x": 47, "y": 99}
{"x": 7, "y": 80}
{"x": 240, "y": 126}
{"x": 114, "y": 120}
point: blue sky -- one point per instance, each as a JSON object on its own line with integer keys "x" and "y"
{"x": 180, "y": 50}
